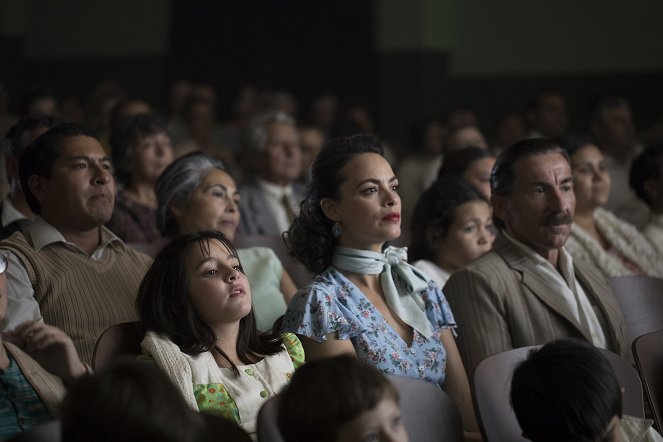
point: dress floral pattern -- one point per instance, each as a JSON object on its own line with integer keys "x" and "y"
{"x": 333, "y": 304}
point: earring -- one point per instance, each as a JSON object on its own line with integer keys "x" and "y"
{"x": 337, "y": 230}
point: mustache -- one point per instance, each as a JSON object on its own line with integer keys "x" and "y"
{"x": 558, "y": 219}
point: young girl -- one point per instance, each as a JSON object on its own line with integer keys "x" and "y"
{"x": 359, "y": 404}
{"x": 363, "y": 301}
{"x": 196, "y": 303}
{"x": 452, "y": 226}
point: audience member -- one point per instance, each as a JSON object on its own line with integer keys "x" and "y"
{"x": 196, "y": 303}
{"x": 126, "y": 108}
{"x": 511, "y": 128}
{"x": 133, "y": 401}
{"x": 528, "y": 290}
{"x": 419, "y": 171}
{"x": 39, "y": 101}
{"x": 612, "y": 245}
{"x": 244, "y": 107}
{"x": 465, "y": 135}
{"x": 360, "y": 404}
{"x": 178, "y": 94}
{"x": 312, "y": 140}
{"x": 472, "y": 164}
{"x": 611, "y": 125}
{"x": 568, "y": 391}
{"x": 452, "y": 226}
{"x": 324, "y": 113}
{"x": 197, "y": 193}
{"x": 271, "y": 200}
{"x": 141, "y": 150}
{"x": 67, "y": 267}
{"x": 16, "y": 213}
{"x": 365, "y": 302}
{"x": 646, "y": 179}
{"x": 546, "y": 115}
{"x": 35, "y": 359}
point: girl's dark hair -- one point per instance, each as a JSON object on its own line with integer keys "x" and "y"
{"x": 565, "y": 391}
{"x": 126, "y": 134}
{"x": 309, "y": 238}
{"x": 349, "y": 388}
{"x": 435, "y": 212}
{"x": 646, "y": 166}
{"x": 164, "y": 305}
{"x": 458, "y": 161}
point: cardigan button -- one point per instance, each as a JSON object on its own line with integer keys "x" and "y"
{"x": 264, "y": 394}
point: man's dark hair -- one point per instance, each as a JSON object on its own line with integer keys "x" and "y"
{"x": 38, "y": 157}
{"x": 646, "y": 166}
{"x": 503, "y": 175}
{"x": 16, "y": 139}
{"x": 565, "y": 391}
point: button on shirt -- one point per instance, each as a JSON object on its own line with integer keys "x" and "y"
{"x": 22, "y": 305}
{"x": 275, "y": 194}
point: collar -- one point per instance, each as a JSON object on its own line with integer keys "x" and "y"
{"x": 274, "y": 189}
{"x": 9, "y": 212}
{"x": 43, "y": 234}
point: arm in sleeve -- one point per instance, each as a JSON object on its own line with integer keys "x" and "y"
{"x": 480, "y": 313}
{"x": 22, "y": 305}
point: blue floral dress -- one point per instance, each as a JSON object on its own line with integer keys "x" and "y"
{"x": 333, "y": 304}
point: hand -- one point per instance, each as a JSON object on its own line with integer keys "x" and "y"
{"x": 50, "y": 346}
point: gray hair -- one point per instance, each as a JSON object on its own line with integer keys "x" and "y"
{"x": 177, "y": 183}
{"x": 255, "y": 136}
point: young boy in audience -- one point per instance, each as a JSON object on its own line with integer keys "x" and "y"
{"x": 568, "y": 391}
{"x": 340, "y": 399}
{"x": 35, "y": 359}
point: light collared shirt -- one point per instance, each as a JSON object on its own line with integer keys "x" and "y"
{"x": 274, "y": 195}
{"x": 22, "y": 305}
{"x": 10, "y": 214}
{"x": 568, "y": 287}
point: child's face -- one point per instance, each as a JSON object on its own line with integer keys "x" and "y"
{"x": 381, "y": 424}
{"x": 468, "y": 237}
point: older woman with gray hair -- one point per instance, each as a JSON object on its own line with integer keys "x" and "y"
{"x": 197, "y": 193}
{"x": 270, "y": 200}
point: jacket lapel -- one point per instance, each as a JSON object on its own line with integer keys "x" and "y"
{"x": 535, "y": 282}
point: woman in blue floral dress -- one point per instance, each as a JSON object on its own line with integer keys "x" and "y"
{"x": 367, "y": 300}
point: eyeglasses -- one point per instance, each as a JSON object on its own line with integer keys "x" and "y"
{"x": 4, "y": 262}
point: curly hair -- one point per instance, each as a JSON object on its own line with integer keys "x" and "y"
{"x": 310, "y": 238}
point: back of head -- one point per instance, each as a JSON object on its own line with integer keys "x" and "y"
{"x": 176, "y": 184}
{"x": 38, "y": 157}
{"x": 128, "y": 401}
{"x": 565, "y": 391}
{"x": 646, "y": 166}
{"x": 434, "y": 213}
{"x": 324, "y": 394}
{"x": 503, "y": 174}
{"x": 310, "y": 239}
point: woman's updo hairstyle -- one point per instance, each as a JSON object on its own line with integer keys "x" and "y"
{"x": 310, "y": 237}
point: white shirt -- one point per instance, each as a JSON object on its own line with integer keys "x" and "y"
{"x": 10, "y": 214}
{"x": 22, "y": 305}
{"x": 577, "y": 299}
{"x": 434, "y": 272}
{"x": 274, "y": 195}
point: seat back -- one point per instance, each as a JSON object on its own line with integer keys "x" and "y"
{"x": 48, "y": 432}
{"x": 641, "y": 301}
{"x": 648, "y": 352}
{"x": 428, "y": 413}
{"x": 118, "y": 340}
{"x": 295, "y": 269}
{"x": 492, "y": 387}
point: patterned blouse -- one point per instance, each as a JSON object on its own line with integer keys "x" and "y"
{"x": 333, "y": 304}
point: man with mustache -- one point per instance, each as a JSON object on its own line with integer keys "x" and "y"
{"x": 528, "y": 290}
{"x": 66, "y": 267}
